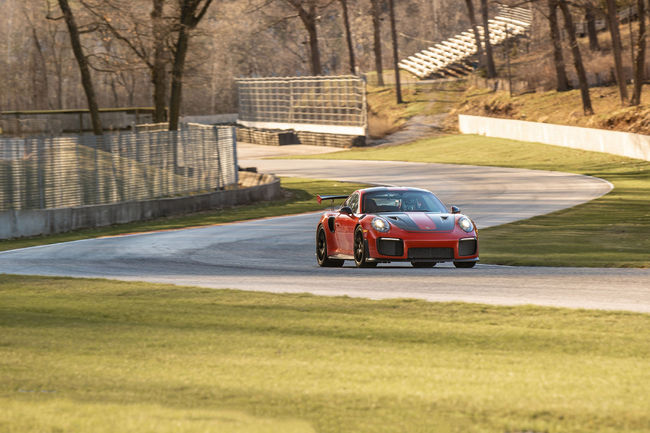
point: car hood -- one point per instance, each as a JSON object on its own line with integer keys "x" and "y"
{"x": 421, "y": 221}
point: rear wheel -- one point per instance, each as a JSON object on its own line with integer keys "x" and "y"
{"x": 321, "y": 251}
{"x": 423, "y": 264}
{"x": 464, "y": 264}
{"x": 360, "y": 251}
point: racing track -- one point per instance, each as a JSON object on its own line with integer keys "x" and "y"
{"x": 278, "y": 254}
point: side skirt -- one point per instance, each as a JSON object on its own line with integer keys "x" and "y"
{"x": 341, "y": 257}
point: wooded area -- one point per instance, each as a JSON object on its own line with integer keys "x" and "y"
{"x": 184, "y": 55}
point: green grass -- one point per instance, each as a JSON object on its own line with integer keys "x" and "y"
{"x": 99, "y": 356}
{"x": 612, "y": 231}
{"x": 300, "y": 197}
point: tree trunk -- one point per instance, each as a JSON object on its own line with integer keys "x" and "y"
{"x": 188, "y": 19}
{"x": 639, "y": 64}
{"x": 558, "y": 56}
{"x": 312, "y": 30}
{"x": 348, "y": 36}
{"x": 617, "y": 50}
{"x": 590, "y": 17}
{"x": 86, "y": 80}
{"x": 158, "y": 71}
{"x": 477, "y": 35}
{"x": 489, "y": 56}
{"x": 177, "y": 78}
{"x": 393, "y": 31}
{"x": 376, "y": 26}
{"x": 577, "y": 58}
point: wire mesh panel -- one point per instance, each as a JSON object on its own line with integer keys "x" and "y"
{"x": 316, "y": 104}
{"x": 43, "y": 173}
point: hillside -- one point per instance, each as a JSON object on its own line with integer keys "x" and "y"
{"x": 564, "y": 108}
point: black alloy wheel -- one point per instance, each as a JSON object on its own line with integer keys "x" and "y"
{"x": 423, "y": 264}
{"x": 360, "y": 251}
{"x": 321, "y": 251}
{"x": 465, "y": 265}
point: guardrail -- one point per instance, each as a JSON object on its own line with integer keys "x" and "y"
{"x": 55, "y": 122}
{"x": 598, "y": 140}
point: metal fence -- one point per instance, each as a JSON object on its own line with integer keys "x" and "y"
{"x": 42, "y": 173}
{"x": 334, "y": 104}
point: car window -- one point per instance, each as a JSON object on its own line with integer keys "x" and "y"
{"x": 402, "y": 201}
{"x": 353, "y": 202}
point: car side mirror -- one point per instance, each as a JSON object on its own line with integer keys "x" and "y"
{"x": 346, "y": 210}
{"x": 455, "y": 209}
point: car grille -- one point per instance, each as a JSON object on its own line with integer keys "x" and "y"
{"x": 390, "y": 247}
{"x": 467, "y": 247}
{"x": 431, "y": 253}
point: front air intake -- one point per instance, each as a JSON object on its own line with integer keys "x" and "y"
{"x": 390, "y": 247}
{"x": 431, "y": 253}
{"x": 466, "y": 247}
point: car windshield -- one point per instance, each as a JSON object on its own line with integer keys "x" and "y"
{"x": 402, "y": 201}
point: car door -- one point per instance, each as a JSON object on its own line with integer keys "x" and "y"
{"x": 345, "y": 225}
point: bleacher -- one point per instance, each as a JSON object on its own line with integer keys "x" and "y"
{"x": 451, "y": 58}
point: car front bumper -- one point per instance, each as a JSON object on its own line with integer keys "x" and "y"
{"x": 438, "y": 247}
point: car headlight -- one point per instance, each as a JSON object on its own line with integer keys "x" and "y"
{"x": 465, "y": 224}
{"x": 380, "y": 224}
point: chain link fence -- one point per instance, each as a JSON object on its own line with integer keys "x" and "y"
{"x": 44, "y": 173}
{"x": 334, "y": 104}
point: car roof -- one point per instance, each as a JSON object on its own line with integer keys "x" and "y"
{"x": 390, "y": 188}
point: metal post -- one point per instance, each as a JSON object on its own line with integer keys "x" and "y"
{"x": 39, "y": 169}
{"x": 234, "y": 154}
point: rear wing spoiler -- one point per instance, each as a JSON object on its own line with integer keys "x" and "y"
{"x": 320, "y": 198}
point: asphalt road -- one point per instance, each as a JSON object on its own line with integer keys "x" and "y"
{"x": 277, "y": 254}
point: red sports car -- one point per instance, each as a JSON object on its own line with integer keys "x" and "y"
{"x": 382, "y": 225}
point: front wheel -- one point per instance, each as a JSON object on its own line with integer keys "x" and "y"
{"x": 464, "y": 264}
{"x": 360, "y": 251}
{"x": 321, "y": 251}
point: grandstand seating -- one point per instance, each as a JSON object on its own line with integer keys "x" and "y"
{"x": 451, "y": 58}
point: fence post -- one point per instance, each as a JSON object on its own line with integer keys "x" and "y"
{"x": 97, "y": 182}
{"x": 216, "y": 146}
{"x": 234, "y": 153}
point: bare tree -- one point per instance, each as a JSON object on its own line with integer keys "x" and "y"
{"x": 639, "y": 64}
{"x": 40, "y": 87}
{"x": 489, "y": 56}
{"x": 477, "y": 35}
{"x": 577, "y": 58}
{"x": 562, "y": 82}
{"x": 124, "y": 21}
{"x": 393, "y": 31}
{"x": 617, "y": 49}
{"x": 190, "y": 14}
{"x": 160, "y": 61}
{"x": 376, "y": 12}
{"x": 590, "y": 18}
{"x": 86, "y": 79}
{"x": 348, "y": 35}
{"x": 309, "y": 17}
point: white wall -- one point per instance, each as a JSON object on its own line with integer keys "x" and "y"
{"x": 599, "y": 140}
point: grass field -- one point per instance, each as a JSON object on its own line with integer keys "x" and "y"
{"x": 99, "y": 356}
{"x": 612, "y": 231}
{"x": 300, "y": 197}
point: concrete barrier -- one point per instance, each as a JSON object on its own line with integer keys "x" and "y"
{"x": 254, "y": 187}
{"x": 598, "y": 140}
